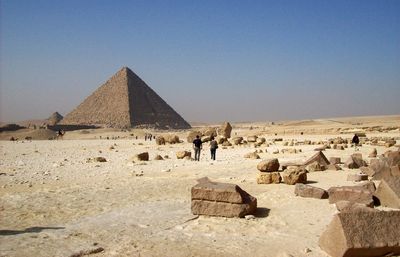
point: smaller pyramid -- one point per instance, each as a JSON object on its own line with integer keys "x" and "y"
{"x": 54, "y": 119}
{"x": 125, "y": 101}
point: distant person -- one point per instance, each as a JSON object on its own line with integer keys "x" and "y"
{"x": 355, "y": 141}
{"x": 60, "y": 134}
{"x": 197, "y": 145}
{"x": 213, "y": 148}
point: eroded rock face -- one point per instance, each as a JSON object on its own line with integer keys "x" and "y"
{"x": 269, "y": 165}
{"x": 269, "y": 178}
{"x": 221, "y": 199}
{"x": 310, "y": 191}
{"x": 388, "y": 192}
{"x": 293, "y": 175}
{"x": 362, "y": 233}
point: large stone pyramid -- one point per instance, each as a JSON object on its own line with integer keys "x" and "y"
{"x": 125, "y": 101}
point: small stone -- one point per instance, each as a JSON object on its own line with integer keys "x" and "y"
{"x": 249, "y": 217}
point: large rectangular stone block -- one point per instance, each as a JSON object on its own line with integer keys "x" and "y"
{"x": 366, "y": 234}
{"x": 352, "y": 194}
{"x": 230, "y": 210}
{"x": 221, "y": 192}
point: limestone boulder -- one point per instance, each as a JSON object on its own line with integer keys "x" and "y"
{"x": 225, "y": 130}
{"x": 205, "y": 139}
{"x": 269, "y": 165}
{"x": 172, "y": 139}
{"x": 318, "y": 157}
{"x": 252, "y": 155}
{"x": 192, "y": 135}
{"x": 334, "y": 160}
{"x": 357, "y": 177}
{"x": 160, "y": 140}
{"x": 293, "y": 175}
{"x": 252, "y": 139}
{"x": 355, "y": 161}
{"x": 211, "y": 132}
{"x": 362, "y": 233}
{"x": 158, "y": 157}
{"x": 269, "y": 178}
{"x": 183, "y": 154}
{"x": 308, "y": 191}
{"x": 237, "y": 140}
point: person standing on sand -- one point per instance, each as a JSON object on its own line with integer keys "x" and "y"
{"x": 213, "y": 148}
{"x": 355, "y": 141}
{"x": 197, "y": 145}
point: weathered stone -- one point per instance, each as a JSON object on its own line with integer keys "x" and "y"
{"x": 355, "y": 161}
{"x": 252, "y": 156}
{"x": 352, "y": 194}
{"x": 100, "y": 159}
{"x": 205, "y": 139}
{"x": 373, "y": 153}
{"x": 314, "y": 166}
{"x": 142, "y": 156}
{"x": 221, "y": 199}
{"x": 158, "y": 158}
{"x": 368, "y": 185}
{"x": 183, "y": 154}
{"x": 334, "y": 160}
{"x": 192, "y": 136}
{"x": 347, "y": 206}
{"x": 261, "y": 140}
{"x": 294, "y": 174}
{"x": 210, "y": 132}
{"x": 160, "y": 140}
{"x": 310, "y": 191}
{"x": 252, "y": 139}
{"x": 357, "y": 177}
{"x": 172, "y": 139}
{"x": 269, "y": 178}
{"x": 363, "y": 233}
{"x": 269, "y": 165}
{"x": 318, "y": 157}
{"x": 388, "y": 192}
{"x": 237, "y": 140}
{"x": 226, "y": 143}
{"x": 367, "y": 170}
{"x": 225, "y": 130}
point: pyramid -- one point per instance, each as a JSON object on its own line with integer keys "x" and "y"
{"x": 54, "y": 119}
{"x": 125, "y": 101}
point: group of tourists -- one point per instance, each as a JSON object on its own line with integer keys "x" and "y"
{"x": 198, "y": 145}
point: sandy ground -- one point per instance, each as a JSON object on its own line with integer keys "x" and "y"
{"x": 55, "y": 203}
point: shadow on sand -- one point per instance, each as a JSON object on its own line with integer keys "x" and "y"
{"x": 262, "y": 212}
{"x": 27, "y": 230}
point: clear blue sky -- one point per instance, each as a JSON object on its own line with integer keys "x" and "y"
{"x": 210, "y": 60}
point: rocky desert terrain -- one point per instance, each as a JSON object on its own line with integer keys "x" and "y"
{"x": 58, "y": 199}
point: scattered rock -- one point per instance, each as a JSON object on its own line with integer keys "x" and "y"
{"x": 100, "y": 159}
{"x": 269, "y": 178}
{"x": 192, "y": 136}
{"x": 237, "y": 140}
{"x": 158, "y": 158}
{"x": 293, "y": 175}
{"x": 269, "y": 165}
{"x": 334, "y": 160}
{"x": 318, "y": 157}
{"x": 252, "y": 139}
{"x": 183, "y": 154}
{"x": 252, "y": 155}
{"x": 172, "y": 139}
{"x": 310, "y": 191}
{"x": 160, "y": 140}
{"x": 141, "y": 156}
{"x": 355, "y": 161}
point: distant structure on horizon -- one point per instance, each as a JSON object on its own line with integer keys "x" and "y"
{"x": 125, "y": 101}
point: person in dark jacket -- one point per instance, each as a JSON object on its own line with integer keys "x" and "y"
{"x": 197, "y": 145}
{"x": 355, "y": 141}
{"x": 213, "y": 148}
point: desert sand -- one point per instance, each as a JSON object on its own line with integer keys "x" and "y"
{"x": 54, "y": 202}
